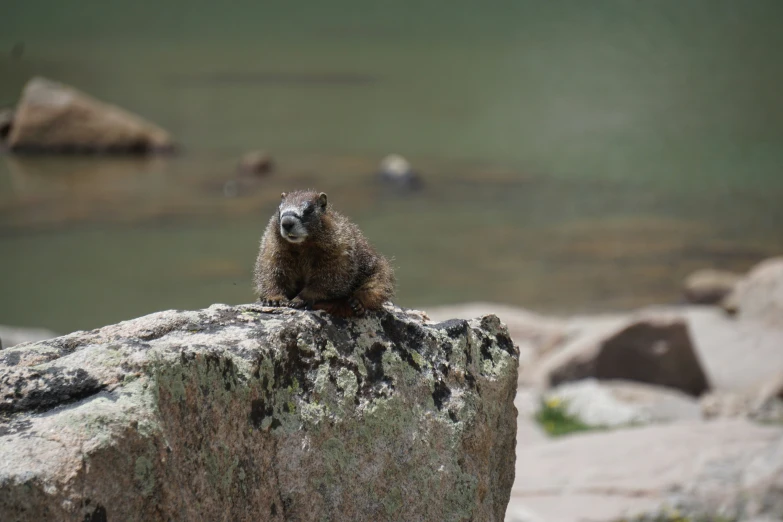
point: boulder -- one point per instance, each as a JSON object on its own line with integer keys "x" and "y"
{"x": 762, "y": 402}
{"x": 709, "y": 286}
{"x": 256, "y": 162}
{"x": 52, "y": 117}
{"x": 257, "y": 413}
{"x": 655, "y": 350}
{"x": 611, "y": 404}
{"x": 609, "y": 475}
{"x": 771, "y": 389}
{"x": 737, "y": 355}
{"x": 741, "y": 486}
{"x": 759, "y": 295}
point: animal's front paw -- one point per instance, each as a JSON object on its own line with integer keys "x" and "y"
{"x": 356, "y": 307}
{"x": 299, "y": 305}
{"x": 275, "y": 303}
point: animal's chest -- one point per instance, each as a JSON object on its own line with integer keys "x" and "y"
{"x": 306, "y": 270}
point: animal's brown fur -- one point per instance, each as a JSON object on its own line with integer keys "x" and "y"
{"x": 334, "y": 269}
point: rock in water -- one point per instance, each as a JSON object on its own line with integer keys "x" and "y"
{"x": 256, "y": 162}
{"x": 254, "y": 413}
{"x": 395, "y": 170}
{"x": 52, "y": 117}
{"x": 709, "y": 286}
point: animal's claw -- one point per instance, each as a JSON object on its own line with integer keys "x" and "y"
{"x": 356, "y": 306}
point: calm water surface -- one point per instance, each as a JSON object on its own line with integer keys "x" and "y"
{"x": 578, "y": 155}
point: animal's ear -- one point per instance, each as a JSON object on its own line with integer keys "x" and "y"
{"x": 322, "y": 199}
{"x": 282, "y": 196}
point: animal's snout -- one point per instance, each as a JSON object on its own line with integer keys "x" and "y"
{"x": 288, "y": 223}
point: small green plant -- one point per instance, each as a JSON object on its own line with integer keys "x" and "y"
{"x": 556, "y": 421}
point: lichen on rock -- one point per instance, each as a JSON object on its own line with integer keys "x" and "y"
{"x": 250, "y": 412}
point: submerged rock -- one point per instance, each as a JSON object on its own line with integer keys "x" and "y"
{"x": 395, "y": 170}
{"x": 709, "y": 286}
{"x": 52, "y": 117}
{"x": 256, "y": 162}
{"x": 255, "y": 413}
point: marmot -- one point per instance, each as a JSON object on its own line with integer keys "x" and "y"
{"x": 313, "y": 257}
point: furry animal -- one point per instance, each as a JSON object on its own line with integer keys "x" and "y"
{"x": 313, "y": 257}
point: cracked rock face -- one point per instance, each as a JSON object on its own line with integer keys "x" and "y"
{"x": 253, "y": 413}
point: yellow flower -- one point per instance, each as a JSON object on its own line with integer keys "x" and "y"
{"x": 553, "y": 402}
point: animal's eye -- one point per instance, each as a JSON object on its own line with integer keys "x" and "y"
{"x": 308, "y": 210}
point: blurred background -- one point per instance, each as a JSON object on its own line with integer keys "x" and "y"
{"x": 576, "y": 156}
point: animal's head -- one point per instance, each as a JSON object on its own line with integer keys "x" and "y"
{"x": 300, "y": 214}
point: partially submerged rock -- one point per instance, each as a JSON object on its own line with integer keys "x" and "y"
{"x": 654, "y": 350}
{"x": 396, "y": 171}
{"x": 52, "y": 117}
{"x": 256, "y": 162}
{"x": 709, "y": 286}
{"x": 254, "y": 413}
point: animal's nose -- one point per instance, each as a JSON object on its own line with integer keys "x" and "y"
{"x": 288, "y": 223}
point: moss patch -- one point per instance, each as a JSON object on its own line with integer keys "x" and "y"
{"x": 556, "y": 421}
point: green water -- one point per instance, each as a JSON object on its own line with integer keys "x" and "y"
{"x": 578, "y": 155}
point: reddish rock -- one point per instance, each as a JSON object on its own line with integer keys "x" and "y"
{"x": 52, "y": 117}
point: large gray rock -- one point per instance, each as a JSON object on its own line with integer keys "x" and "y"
{"x": 654, "y": 349}
{"x": 741, "y": 486}
{"x": 609, "y": 475}
{"x": 52, "y": 117}
{"x": 736, "y": 354}
{"x": 253, "y": 413}
{"x": 759, "y": 295}
{"x": 763, "y": 402}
